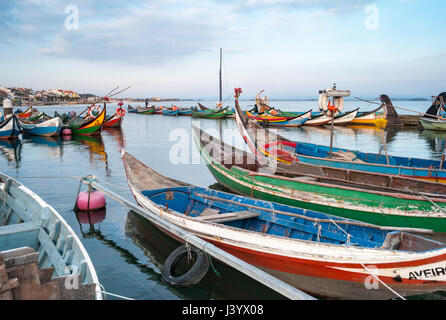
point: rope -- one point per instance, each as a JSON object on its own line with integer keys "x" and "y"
{"x": 380, "y": 281}
{"x": 398, "y": 107}
{"x": 111, "y": 294}
{"x": 371, "y": 273}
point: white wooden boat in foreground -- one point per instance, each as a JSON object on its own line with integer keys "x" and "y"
{"x": 40, "y": 255}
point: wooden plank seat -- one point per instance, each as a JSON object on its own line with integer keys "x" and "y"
{"x": 226, "y": 217}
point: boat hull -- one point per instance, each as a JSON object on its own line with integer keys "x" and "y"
{"x": 308, "y": 265}
{"x": 91, "y": 127}
{"x": 51, "y": 127}
{"x": 9, "y": 129}
{"x": 431, "y": 124}
{"x": 372, "y": 118}
{"x": 32, "y": 223}
{"x": 114, "y": 121}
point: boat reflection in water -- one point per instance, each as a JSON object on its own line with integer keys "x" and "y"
{"x": 12, "y": 151}
{"x": 118, "y": 136}
{"x": 228, "y": 284}
{"x": 436, "y": 141}
{"x": 95, "y": 147}
{"x": 54, "y": 145}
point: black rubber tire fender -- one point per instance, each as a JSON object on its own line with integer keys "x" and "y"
{"x": 191, "y": 277}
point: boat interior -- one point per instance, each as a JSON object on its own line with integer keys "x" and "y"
{"x": 281, "y": 220}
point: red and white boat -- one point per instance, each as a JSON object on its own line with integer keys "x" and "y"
{"x": 321, "y": 254}
{"x": 115, "y": 120}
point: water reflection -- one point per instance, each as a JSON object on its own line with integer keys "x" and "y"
{"x": 53, "y": 145}
{"x": 117, "y": 134}
{"x": 95, "y": 147}
{"x": 87, "y": 220}
{"x": 227, "y": 284}
{"x": 11, "y": 150}
{"x": 436, "y": 141}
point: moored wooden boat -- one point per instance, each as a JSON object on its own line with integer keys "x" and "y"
{"x": 185, "y": 112}
{"x": 25, "y": 114}
{"x": 213, "y": 114}
{"x": 42, "y": 126}
{"x": 242, "y": 173}
{"x": 315, "y": 252}
{"x": 9, "y": 129}
{"x": 345, "y": 118}
{"x": 171, "y": 111}
{"x": 87, "y": 126}
{"x": 433, "y": 124}
{"x": 371, "y": 118}
{"x": 145, "y": 110}
{"x": 431, "y": 119}
{"x": 46, "y": 253}
{"x": 318, "y": 120}
{"x": 131, "y": 109}
{"x": 274, "y": 121}
{"x": 115, "y": 120}
{"x": 261, "y": 141}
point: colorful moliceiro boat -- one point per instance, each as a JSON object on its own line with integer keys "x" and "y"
{"x": 274, "y": 121}
{"x": 172, "y": 111}
{"x": 9, "y": 129}
{"x": 371, "y": 118}
{"x": 115, "y": 120}
{"x": 211, "y": 114}
{"x": 145, "y": 110}
{"x": 44, "y": 126}
{"x": 315, "y": 252}
{"x": 88, "y": 125}
{"x": 241, "y": 173}
{"x": 25, "y": 114}
{"x": 262, "y": 141}
{"x": 185, "y": 112}
{"x": 432, "y": 120}
{"x": 35, "y": 237}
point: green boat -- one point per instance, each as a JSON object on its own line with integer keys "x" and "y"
{"x": 241, "y": 173}
{"x": 87, "y": 126}
{"x": 211, "y": 114}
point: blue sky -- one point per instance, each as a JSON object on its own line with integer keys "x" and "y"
{"x": 170, "y": 48}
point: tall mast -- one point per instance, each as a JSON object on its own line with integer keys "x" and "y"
{"x": 220, "y": 100}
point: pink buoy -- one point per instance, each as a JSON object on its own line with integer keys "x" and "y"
{"x": 66, "y": 132}
{"x": 87, "y": 201}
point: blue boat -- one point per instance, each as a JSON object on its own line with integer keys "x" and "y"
{"x": 185, "y": 112}
{"x": 47, "y": 258}
{"x": 131, "y": 109}
{"x": 9, "y": 128}
{"x": 262, "y": 141}
{"x": 43, "y": 126}
{"x": 171, "y": 112}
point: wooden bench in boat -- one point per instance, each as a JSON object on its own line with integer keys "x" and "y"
{"x": 213, "y": 215}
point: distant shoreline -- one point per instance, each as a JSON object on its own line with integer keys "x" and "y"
{"x": 67, "y": 104}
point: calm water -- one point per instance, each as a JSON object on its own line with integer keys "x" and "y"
{"x": 128, "y": 252}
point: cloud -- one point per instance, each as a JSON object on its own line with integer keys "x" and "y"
{"x": 150, "y": 32}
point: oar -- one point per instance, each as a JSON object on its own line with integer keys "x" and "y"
{"x": 109, "y": 93}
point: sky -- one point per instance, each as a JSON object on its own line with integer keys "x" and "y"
{"x": 170, "y": 48}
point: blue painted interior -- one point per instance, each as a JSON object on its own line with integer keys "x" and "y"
{"x": 314, "y": 150}
{"x": 186, "y": 200}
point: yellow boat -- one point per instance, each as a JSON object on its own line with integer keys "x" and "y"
{"x": 377, "y": 117}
